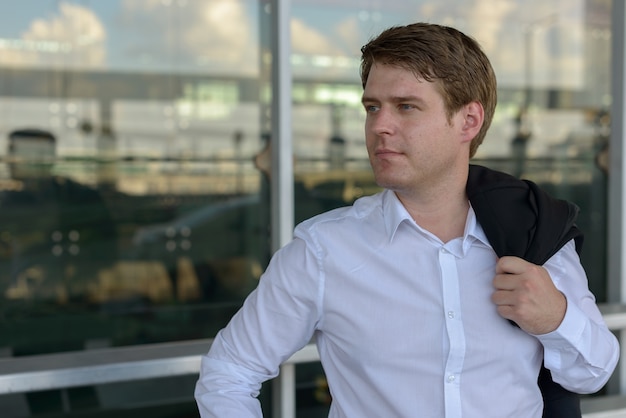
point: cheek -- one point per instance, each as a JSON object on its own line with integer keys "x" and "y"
{"x": 370, "y": 140}
{"x": 367, "y": 127}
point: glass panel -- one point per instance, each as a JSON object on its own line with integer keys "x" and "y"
{"x": 131, "y": 210}
{"x": 552, "y": 60}
{"x": 147, "y": 220}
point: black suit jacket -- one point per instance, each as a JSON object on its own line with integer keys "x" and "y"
{"x": 521, "y": 219}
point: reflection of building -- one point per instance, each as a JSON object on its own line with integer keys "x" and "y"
{"x": 58, "y": 233}
{"x": 171, "y": 106}
{"x": 150, "y": 117}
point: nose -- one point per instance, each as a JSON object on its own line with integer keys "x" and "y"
{"x": 381, "y": 122}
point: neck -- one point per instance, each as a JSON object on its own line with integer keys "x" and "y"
{"x": 442, "y": 210}
{"x": 445, "y": 220}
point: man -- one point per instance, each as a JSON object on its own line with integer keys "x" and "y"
{"x": 57, "y": 232}
{"x": 408, "y": 302}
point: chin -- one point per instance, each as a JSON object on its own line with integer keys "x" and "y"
{"x": 387, "y": 183}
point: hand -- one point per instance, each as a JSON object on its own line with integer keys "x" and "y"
{"x": 526, "y": 295}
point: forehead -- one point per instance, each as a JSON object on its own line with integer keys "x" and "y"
{"x": 393, "y": 81}
{"x": 31, "y": 146}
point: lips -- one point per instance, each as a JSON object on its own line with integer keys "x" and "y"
{"x": 386, "y": 152}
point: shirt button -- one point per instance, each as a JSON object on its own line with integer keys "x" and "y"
{"x": 451, "y": 378}
{"x": 450, "y": 314}
{"x": 444, "y": 251}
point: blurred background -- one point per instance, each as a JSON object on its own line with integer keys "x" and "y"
{"x": 134, "y": 135}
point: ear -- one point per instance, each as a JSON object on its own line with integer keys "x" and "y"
{"x": 473, "y": 118}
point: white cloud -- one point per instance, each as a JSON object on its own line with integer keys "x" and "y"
{"x": 350, "y": 35}
{"x": 216, "y": 36}
{"x": 72, "y": 37}
{"x": 219, "y": 36}
{"x": 488, "y": 21}
{"x": 508, "y": 29}
{"x": 330, "y": 54}
{"x": 223, "y": 34}
{"x": 306, "y": 40}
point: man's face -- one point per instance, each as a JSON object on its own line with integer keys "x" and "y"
{"x": 410, "y": 140}
{"x": 31, "y": 158}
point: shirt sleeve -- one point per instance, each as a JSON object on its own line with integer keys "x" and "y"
{"x": 582, "y": 352}
{"x": 276, "y": 320}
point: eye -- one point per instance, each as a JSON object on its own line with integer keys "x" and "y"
{"x": 406, "y": 106}
{"x": 371, "y": 108}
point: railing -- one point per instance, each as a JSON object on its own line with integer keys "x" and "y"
{"x": 121, "y": 364}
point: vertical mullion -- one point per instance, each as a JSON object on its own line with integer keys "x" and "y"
{"x": 616, "y": 197}
{"x": 282, "y": 217}
{"x": 281, "y": 187}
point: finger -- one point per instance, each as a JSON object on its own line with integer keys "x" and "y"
{"x": 506, "y": 281}
{"x": 502, "y": 298}
{"x": 511, "y": 264}
{"x": 506, "y": 312}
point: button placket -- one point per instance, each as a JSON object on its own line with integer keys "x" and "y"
{"x": 454, "y": 329}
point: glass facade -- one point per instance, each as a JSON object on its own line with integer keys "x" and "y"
{"x": 147, "y": 216}
{"x": 134, "y": 146}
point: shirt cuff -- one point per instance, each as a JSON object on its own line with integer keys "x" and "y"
{"x": 566, "y": 337}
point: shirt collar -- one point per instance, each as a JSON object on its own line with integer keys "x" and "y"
{"x": 395, "y": 213}
{"x": 473, "y": 231}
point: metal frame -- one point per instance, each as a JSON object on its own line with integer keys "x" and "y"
{"x": 122, "y": 364}
{"x": 616, "y": 181}
{"x": 282, "y": 194}
{"x": 99, "y": 366}
{"x": 282, "y": 205}
{"x": 616, "y": 222}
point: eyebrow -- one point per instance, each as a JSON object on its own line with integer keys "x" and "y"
{"x": 394, "y": 99}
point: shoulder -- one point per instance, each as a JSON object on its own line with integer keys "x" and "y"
{"x": 482, "y": 179}
{"x": 519, "y": 217}
{"x": 75, "y": 190}
{"x": 344, "y": 219}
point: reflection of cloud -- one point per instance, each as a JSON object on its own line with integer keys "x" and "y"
{"x": 545, "y": 40}
{"x": 74, "y": 37}
{"x": 222, "y": 33}
{"x": 217, "y": 35}
{"x": 502, "y": 27}
{"x": 330, "y": 54}
{"x": 306, "y": 40}
{"x": 349, "y": 33}
{"x": 488, "y": 21}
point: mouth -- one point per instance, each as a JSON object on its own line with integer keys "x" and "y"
{"x": 386, "y": 153}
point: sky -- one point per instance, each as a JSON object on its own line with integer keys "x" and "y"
{"x": 223, "y": 36}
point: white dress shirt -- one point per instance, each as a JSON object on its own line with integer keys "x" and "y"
{"x": 403, "y": 323}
